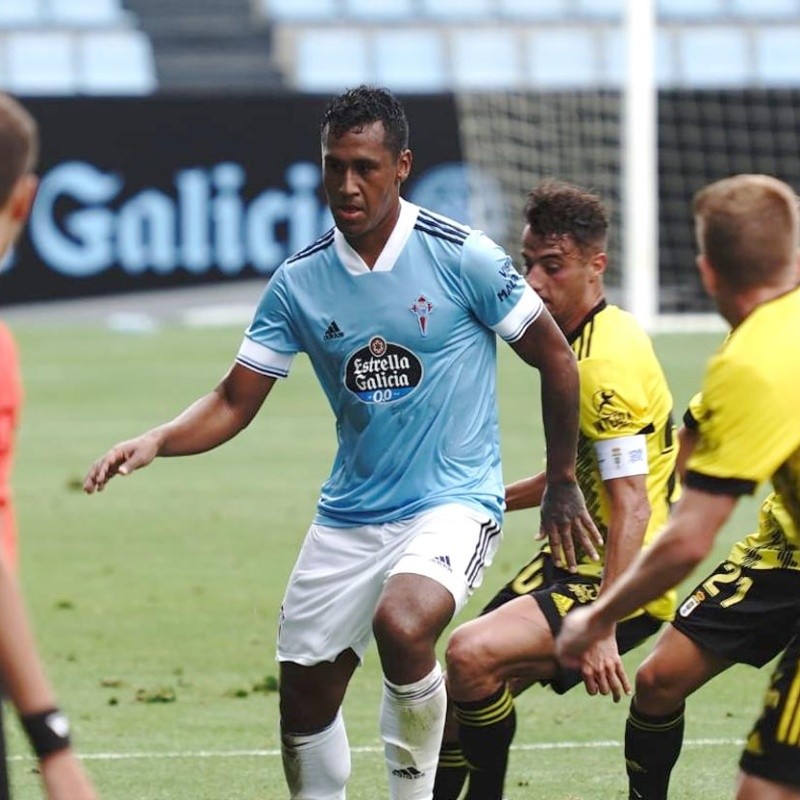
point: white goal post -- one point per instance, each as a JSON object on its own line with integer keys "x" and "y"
{"x": 644, "y": 139}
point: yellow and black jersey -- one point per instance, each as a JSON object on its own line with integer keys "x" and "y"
{"x": 748, "y": 424}
{"x": 623, "y": 393}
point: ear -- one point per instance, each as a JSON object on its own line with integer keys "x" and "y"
{"x": 18, "y": 205}
{"x": 707, "y": 275}
{"x": 403, "y": 166}
{"x": 598, "y": 264}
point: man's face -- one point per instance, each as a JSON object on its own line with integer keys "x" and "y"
{"x": 566, "y": 278}
{"x": 362, "y": 180}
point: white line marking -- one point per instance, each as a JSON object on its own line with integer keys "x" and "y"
{"x": 274, "y": 753}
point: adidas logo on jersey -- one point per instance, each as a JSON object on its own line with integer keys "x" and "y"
{"x": 333, "y": 332}
{"x": 443, "y": 561}
{"x": 412, "y": 773}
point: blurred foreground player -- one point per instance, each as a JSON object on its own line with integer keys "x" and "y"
{"x": 21, "y": 672}
{"x": 747, "y": 431}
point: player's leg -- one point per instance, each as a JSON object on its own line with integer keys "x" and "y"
{"x": 482, "y": 656}
{"x": 412, "y": 613}
{"x": 325, "y": 628}
{"x": 770, "y": 763}
{"x": 452, "y": 769}
{"x": 750, "y": 787}
{"x": 654, "y": 729}
{"x": 316, "y": 753}
{"x": 446, "y": 551}
{"x": 736, "y": 614}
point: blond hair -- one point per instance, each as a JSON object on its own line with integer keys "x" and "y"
{"x": 747, "y": 227}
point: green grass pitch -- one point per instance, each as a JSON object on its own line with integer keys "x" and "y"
{"x": 155, "y": 602}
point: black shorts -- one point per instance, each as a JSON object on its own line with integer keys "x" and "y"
{"x": 744, "y": 615}
{"x": 558, "y": 592}
{"x": 772, "y": 750}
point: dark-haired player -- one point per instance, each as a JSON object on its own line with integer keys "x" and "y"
{"x": 626, "y": 460}
{"x": 398, "y": 310}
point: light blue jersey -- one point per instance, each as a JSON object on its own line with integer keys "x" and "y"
{"x": 405, "y": 353}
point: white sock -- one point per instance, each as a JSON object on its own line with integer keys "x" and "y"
{"x": 412, "y": 721}
{"x": 317, "y": 765}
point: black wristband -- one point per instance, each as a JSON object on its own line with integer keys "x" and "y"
{"x": 47, "y": 731}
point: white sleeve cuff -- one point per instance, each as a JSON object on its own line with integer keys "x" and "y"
{"x": 514, "y": 324}
{"x": 263, "y": 359}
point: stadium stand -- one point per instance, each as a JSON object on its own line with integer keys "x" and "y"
{"x": 212, "y": 45}
{"x": 64, "y": 47}
{"x": 137, "y": 47}
{"x": 552, "y": 43}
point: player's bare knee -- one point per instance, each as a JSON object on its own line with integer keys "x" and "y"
{"x": 467, "y": 660}
{"x": 657, "y": 689}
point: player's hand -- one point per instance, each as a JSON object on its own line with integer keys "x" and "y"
{"x": 122, "y": 459}
{"x": 603, "y": 671}
{"x": 566, "y": 522}
{"x": 65, "y": 779}
{"x": 579, "y": 631}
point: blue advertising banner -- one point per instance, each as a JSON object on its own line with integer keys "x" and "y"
{"x": 162, "y": 192}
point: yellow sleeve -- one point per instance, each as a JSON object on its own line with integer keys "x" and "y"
{"x": 745, "y": 434}
{"x": 613, "y": 400}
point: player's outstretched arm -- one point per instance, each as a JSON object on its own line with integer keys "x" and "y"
{"x": 24, "y": 680}
{"x": 564, "y": 518}
{"x": 64, "y": 778}
{"x": 525, "y": 493}
{"x": 206, "y": 424}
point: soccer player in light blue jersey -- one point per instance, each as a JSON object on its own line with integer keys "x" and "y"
{"x": 399, "y": 310}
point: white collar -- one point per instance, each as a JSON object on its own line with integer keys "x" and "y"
{"x": 356, "y": 265}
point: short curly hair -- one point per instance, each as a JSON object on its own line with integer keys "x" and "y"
{"x": 362, "y": 106}
{"x": 556, "y": 208}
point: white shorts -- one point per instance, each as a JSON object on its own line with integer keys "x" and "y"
{"x": 339, "y": 575}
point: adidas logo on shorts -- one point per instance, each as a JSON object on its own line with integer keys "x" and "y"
{"x": 333, "y": 332}
{"x": 412, "y": 773}
{"x": 443, "y": 561}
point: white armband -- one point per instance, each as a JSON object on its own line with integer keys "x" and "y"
{"x": 621, "y": 457}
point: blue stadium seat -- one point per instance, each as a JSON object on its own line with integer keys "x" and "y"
{"x": 691, "y": 9}
{"x": 410, "y": 60}
{"x": 380, "y": 10}
{"x": 529, "y": 10}
{"x": 778, "y": 56}
{"x": 614, "y": 67}
{"x": 15, "y": 13}
{"x": 790, "y": 9}
{"x": 485, "y": 58}
{"x": 300, "y": 10}
{"x": 331, "y": 59}
{"x": 714, "y": 57}
{"x": 41, "y": 63}
{"x": 458, "y": 9}
{"x": 85, "y": 12}
{"x": 563, "y": 57}
{"x": 116, "y": 63}
{"x": 609, "y": 9}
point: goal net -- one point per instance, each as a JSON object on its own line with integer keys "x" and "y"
{"x": 519, "y": 138}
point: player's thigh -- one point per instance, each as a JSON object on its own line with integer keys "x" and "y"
{"x": 332, "y": 592}
{"x": 772, "y": 750}
{"x": 514, "y": 640}
{"x": 453, "y": 544}
{"x": 675, "y": 668}
{"x": 753, "y": 788}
